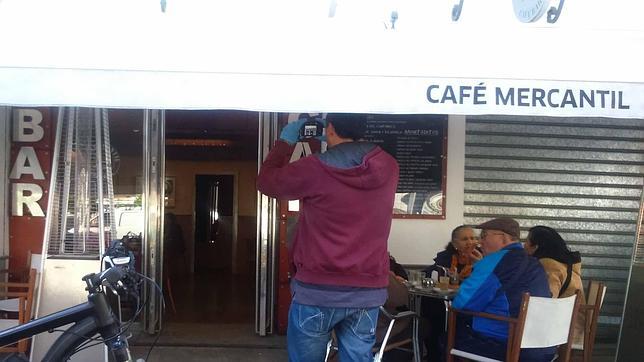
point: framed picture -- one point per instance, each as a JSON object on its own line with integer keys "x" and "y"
{"x": 170, "y": 190}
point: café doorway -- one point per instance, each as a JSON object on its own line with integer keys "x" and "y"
{"x": 211, "y": 165}
{"x": 216, "y": 302}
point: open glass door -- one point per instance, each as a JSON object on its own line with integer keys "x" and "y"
{"x": 153, "y": 207}
{"x": 266, "y": 235}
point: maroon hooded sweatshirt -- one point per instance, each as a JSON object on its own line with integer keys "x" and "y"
{"x": 345, "y": 214}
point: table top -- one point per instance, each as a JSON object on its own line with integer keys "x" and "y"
{"x": 433, "y": 293}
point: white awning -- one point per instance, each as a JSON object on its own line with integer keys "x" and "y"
{"x": 292, "y": 56}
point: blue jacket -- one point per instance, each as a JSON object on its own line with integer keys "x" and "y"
{"x": 493, "y": 287}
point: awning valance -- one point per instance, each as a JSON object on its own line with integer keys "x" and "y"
{"x": 287, "y": 56}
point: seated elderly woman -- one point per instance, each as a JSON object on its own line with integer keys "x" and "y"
{"x": 459, "y": 253}
{"x": 562, "y": 266}
{"x": 457, "y": 258}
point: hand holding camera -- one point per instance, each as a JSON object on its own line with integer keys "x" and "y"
{"x": 303, "y": 129}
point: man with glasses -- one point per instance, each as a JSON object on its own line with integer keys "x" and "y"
{"x": 496, "y": 286}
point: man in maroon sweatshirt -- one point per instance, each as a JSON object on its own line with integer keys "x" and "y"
{"x": 340, "y": 246}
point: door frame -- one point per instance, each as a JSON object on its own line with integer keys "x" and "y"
{"x": 153, "y": 188}
{"x": 267, "y": 234}
{"x": 5, "y": 147}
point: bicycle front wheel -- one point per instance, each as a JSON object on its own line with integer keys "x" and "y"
{"x": 66, "y": 345}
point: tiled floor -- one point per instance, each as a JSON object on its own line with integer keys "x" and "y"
{"x": 212, "y": 297}
{"x": 228, "y": 354}
{"x": 214, "y": 321}
{"x": 188, "y": 342}
{"x": 208, "y": 335}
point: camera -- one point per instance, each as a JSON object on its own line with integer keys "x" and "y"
{"x": 312, "y": 128}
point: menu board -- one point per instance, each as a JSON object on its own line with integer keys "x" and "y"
{"x": 419, "y": 144}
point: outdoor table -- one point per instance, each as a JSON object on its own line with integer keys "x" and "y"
{"x": 416, "y": 294}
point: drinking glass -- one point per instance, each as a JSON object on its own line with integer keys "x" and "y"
{"x": 453, "y": 279}
{"x": 415, "y": 277}
{"x": 443, "y": 283}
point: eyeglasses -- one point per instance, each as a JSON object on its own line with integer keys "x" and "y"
{"x": 486, "y": 233}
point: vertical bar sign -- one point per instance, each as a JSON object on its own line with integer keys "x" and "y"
{"x": 30, "y": 165}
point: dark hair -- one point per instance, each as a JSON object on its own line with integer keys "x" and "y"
{"x": 449, "y": 245}
{"x": 551, "y": 245}
{"x": 457, "y": 229}
{"x": 398, "y": 269}
{"x": 348, "y": 125}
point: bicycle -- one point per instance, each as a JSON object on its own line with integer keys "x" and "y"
{"x": 92, "y": 318}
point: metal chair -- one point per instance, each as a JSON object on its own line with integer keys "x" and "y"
{"x": 595, "y": 297}
{"x": 385, "y": 345}
{"x": 541, "y": 322}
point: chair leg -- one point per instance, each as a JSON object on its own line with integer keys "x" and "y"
{"x": 328, "y": 350}
{"x": 414, "y": 339}
{"x": 588, "y": 347}
{"x": 169, "y": 287}
{"x": 587, "y": 354}
{"x": 451, "y": 335}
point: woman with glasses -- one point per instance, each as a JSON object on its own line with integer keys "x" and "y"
{"x": 562, "y": 266}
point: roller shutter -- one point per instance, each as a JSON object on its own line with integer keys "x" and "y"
{"x": 581, "y": 176}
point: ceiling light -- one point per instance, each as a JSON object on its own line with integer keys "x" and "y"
{"x": 196, "y": 142}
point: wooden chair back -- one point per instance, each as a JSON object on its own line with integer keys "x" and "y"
{"x": 20, "y": 297}
{"x": 515, "y": 328}
{"x": 550, "y": 322}
{"x": 595, "y": 300}
{"x": 537, "y": 323}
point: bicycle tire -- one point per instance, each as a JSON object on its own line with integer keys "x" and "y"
{"x": 65, "y": 345}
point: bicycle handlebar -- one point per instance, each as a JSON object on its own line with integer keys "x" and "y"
{"x": 119, "y": 279}
{"x": 120, "y": 276}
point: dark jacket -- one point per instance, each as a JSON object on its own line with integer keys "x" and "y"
{"x": 346, "y": 200}
{"x": 444, "y": 258}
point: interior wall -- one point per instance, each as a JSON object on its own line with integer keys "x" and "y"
{"x": 417, "y": 241}
{"x": 245, "y": 173}
{"x": 125, "y": 179}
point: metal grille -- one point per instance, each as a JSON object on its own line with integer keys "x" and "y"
{"x": 582, "y": 177}
{"x": 82, "y": 189}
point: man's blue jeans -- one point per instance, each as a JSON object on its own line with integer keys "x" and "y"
{"x": 309, "y": 331}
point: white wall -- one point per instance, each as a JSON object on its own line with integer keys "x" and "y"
{"x": 416, "y": 241}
